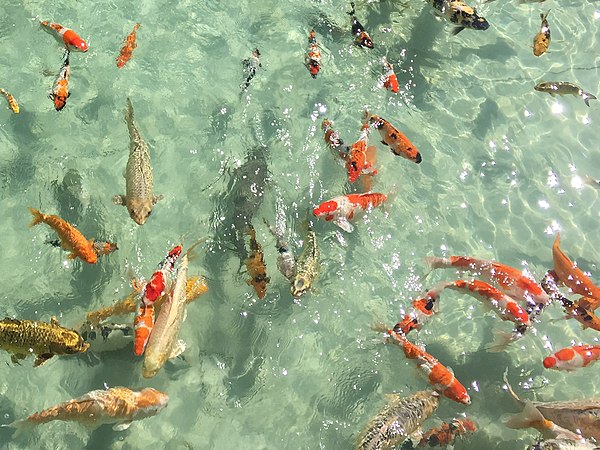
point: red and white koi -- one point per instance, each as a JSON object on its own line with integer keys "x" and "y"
{"x": 389, "y": 79}
{"x": 357, "y": 162}
{"x": 423, "y": 309}
{"x": 340, "y": 210}
{"x": 65, "y": 36}
{"x": 572, "y": 358}
{"x": 313, "y": 56}
{"x": 60, "y": 90}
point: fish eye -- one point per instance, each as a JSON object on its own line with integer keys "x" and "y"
{"x": 149, "y": 212}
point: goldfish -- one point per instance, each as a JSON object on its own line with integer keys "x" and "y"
{"x": 313, "y": 56}
{"x": 390, "y": 81}
{"x": 333, "y": 139}
{"x": 440, "y": 378}
{"x": 459, "y": 13}
{"x": 139, "y": 197}
{"x": 394, "y": 138}
{"x": 307, "y": 266}
{"x": 256, "y": 267}
{"x": 541, "y": 41}
{"x": 127, "y": 49}
{"x": 24, "y": 337}
{"x": 14, "y": 106}
{"x": 564, "y": 88}
{"x": 286, "y": 262}
{"x": 572, "y": 358}
{"x": 71, "y": 238}
{"x": 340, "y": 210}
{"x": 362, "y": 38}
{"x": 60, "y": 90}
{"x": 423, "y": 309}
{"x": 250, "y": 65}
{"x": 118, "y": 405}
{"x": 400, "y": 418}
{"x": 357, "y": 162}
{"x": 445, "y": 434}
{"x": 65, "y": 36}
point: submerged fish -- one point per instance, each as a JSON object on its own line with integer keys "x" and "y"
{"x": 423, "y": 309}
{"x": 312, "y": 60}
{"x": 361, "y": 37}
{"x": 307, "y": 266}
{"x": 573, "y": 358}
{"x": 14, "y": 106}
{"x": 24, "y": 337}
{"x": 343, "y": 208}
{"x": 446, "y": 433}
{"x": 65, "y": 36}
{"x": 250, "y": 65}
{"x": 564, "y": 88}
{"x": 459, "y": 13}
{"x": 393, "y": 138}
{"x": 541, "y": 41}
{"x": 256, "y": 267}
{"x": 286, "y": 262}
{"x": 400, "y": 418}
{"x": 139, "y": 198}
{"x": 60, "y": 89}
{"x": 127, "y": 49}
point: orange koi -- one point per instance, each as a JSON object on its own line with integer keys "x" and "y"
{"x": 541, "y": 41}
{"x": 313, "y": 57}
{"x": 71, "y": 238}
{"x": 445, "y": 434}
{"x": 65, "y": 36}
{"x": 340, "y": 210}
{"x": 333, "y": 140}
{"x": 256, "y": 267}
{"x": 356, "y": 163}
{"x": 142, "y": 325}
{"x": 60, "y": 90}
{"x": 127, "y": 49}
{"x": 572, "y": 358}
{"x": 394, "y": 139}
{"x": 390, "y": 81}
{"x": 14, "y": 106}
{"x": 423, "y": 309}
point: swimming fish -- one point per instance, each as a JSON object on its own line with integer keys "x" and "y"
{"x": 307, "y": 266}
{"x": 250, "y": 66}
{"x": 541, "y": 41}
{"x": 357, "y": 163}
{"x": 440, "y": 377}
{"x": 286, "y": 262}
{"x": 563, "y": 444}
{"x": 163, "y": 342}
{"x": 389, "y": 79}
{"x": 400, "y": 418}
{"x": 572, "y": 358}
{"x": 423, "y": 309}
{"x": 255, "y": 266}
{"x": 313, "y": 55}
{"x": 564, "y": 88}
{"x": 118, "y": 405}
{"x": 394, "y": 138}
{"x": 333, "y": 139}
{"x": 65, "y": 36}
{"x": 459, "y": 13}
{"x": 24, "y": 337}
{"x": 446, "y": 433}
{"x": 60, "y": 89}
{"x": 340, "y": 210}
{"x": 127, "y": 49}
{"x": 362, "y": 38}
{"x": 71, "y": 238}
{"x": 106, "y": 336}
{"x": 14, "y": 106}
{"x": 139, "y": 195}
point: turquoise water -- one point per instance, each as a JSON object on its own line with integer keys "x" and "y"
{"x": 502, "y": 171}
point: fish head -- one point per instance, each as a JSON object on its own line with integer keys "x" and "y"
{"x": 300, "y": 286}
{"x": 79, "y": 44}
{"x": 60, "y": 101}
{"x": 327, "y": 124}
{"x": 140, "y": 209}
{"x": 150, "y": 402}
{"x": 479, "y": 23}
{"x": 71, "y": 343}
{"x": 325, "y": 208}
{"x": 545, "y": 86}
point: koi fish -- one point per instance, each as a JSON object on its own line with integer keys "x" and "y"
{"x": 139, "y": 197}
{"x": 541, "y": 41}
{"x": 307, "y": 266}
{"x": 60, "y": 89}
{"x": 340, "y": 210}
{"x": 250, "y": 65}
{"x": 356, "y": 162}
{"x": 23, "y": 337}
{"x": 313, "y": 56}
{"x": 398, "y": 420}
{"x": 423, "y": 309}
{"x": 142, "y": 326}
{"x": 459, "y": 13}
{"x": 286, "y": 262}
{"x": 511, "y": 280}
{"x": 118, "y": 405}
{"x": 389, "y": 79}
{"x": 573, "y": 277}
{"x": 105, "y": 248}
{"x": 572, "y": 358}
{"x": 14, "y": 106}
{"x": 362, "y": 38}
{"x": 127, "y": 49}
{"x": 564, "y": 88}
{"x": 394, "y": 138}
{"x": 446, "y": 433}
{"x": 65, "y": 36}
{"x": 256, "y": 267}
{"x": 440, "y": 378}
{"x": 71, "y": 238}
{"x": 333, "y": 139}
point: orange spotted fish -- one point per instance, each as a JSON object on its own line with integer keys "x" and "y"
{"x": 333, "y": 139}
{"x": 256, "y": 267}
{"x": 313, "y": 56}
{"x": 390, "y": 81}
{"x": 11, "y": 101}
{"x": 60, "y": 90}
{"x": 572, "y": 358}
{"x": 357, "y": 163}
{"x": 541, "y": 41}
{"x": 394, "y": 139}
{"x": 423, "y": 309}
{"x": 340, "y": 210}
{"x": 127, "y": 49}
{"x": 446, "y": 433}
{"x": 65, "y": 36}
{"x": 71, "y": 238}
{"x": 361, "y": 37}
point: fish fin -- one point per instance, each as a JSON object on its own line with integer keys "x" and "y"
{"x": 416, "y": 436}
{"x": 54, "y": 321}
{"x": 501, "y": 341}
{"x": 72, "y": 255}
{"x": 384, "y": 143}
{"x": 20, "y": 426}
{"x": 343, "y": 223}
{"x": 456, "y": 30}
{"x": 119, "y": 200}
{"x": 178, "y": 349}
{"x": 38, "y": 217}
{"x": 41, "y": 359}
{"x": 16, "y": 358}
{"x": 512, "y": 393}
{"x": 530, "y": 417}
{"x": 156, "y": 199}
{"x": 587, "y": 97}
{"x": 121, "y": 426}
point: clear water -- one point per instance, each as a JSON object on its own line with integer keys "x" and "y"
{"x": 501, "y": 173}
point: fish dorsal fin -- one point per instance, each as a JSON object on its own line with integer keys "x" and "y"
{"x": 54, "y": 322}
{"x": 178, "y": 349}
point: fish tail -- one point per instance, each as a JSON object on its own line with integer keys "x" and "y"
{"x": 587, "y": 97}
{"x": 38, "y": 217}
{"x": 530, "y": 417}
{"x": 544, "y": 16}
{"x": 20, "y": 426}
{"x": 351, "y": 13}
{"x": 501, "y": 341}
{"x": 129, "y": 118}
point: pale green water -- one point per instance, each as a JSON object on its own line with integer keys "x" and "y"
{"x": 499, "y": 176}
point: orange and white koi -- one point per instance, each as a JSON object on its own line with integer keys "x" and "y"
{"x": 127, "y": 49}
{"x": 313, "y": 56}
{"x": 394, "y": 138}
{"x": 423, "y": 309}
{"x": 389, "y": 79}
{"x": 333, "y": 139}
{"x": 446, "y": 433}
{"x": 14, "y": 106}
{"x": 440, "y": 377}
{"x": 511, "y": 280}
{"x": 541, "y": 41}
{"x": 60, "y": 90}
{"x": 356, "y": 162}
{"x": 362, "y": 38}
{"x": 142, "y": 325}
{"x": 65, "y": 36}
{"x": 572, "y": 358}
{"x": 71, "y": 238}
{"x": 340, "y": 210}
